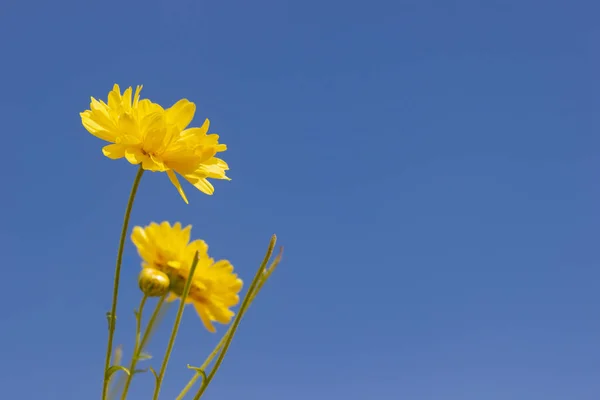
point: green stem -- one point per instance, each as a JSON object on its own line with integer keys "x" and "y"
{"x": 138, "y": 322}
{"x": 247, "y": 300}
{"x": 159, "y": 312}
{"x": 113, "y": 310}
{"x": 140, "y": 344}
{"x": 184, "y": 295}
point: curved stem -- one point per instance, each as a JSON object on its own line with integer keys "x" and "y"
{"x": 256, "y": 282}
{"x": 184, "y": 295}
{"x": 112, "y": 315}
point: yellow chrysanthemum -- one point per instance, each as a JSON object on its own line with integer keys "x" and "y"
{"x": 145, "y": 133}
{"x": 215, "y": 287}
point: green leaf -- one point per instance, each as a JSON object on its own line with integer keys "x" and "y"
{"x": 120, "y": 381}
{"x": 114, "y": 369}
{"x": 156, "y": 379}
{"x": 153, "y": 373}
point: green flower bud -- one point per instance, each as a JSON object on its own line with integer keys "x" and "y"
{"x": 153, "y": 282}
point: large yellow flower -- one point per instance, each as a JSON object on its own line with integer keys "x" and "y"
{"x": 145, "y": 133}
{"x": 215, "y": 287}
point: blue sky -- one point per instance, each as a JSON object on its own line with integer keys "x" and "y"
{"x": 430, "y": 166}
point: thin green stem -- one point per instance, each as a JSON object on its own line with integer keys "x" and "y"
{"x": 138, "y": 321}
{"x": 184, "y": 295}
{"x": 247, "y": 300}
{"x": 113, "y": 310}
{"x": 159, "y": 313}
{"x": 140, "y": 344}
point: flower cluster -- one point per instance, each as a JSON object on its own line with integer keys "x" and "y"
{"x": 174, "y": 267}
{"x": 167, "y": 253}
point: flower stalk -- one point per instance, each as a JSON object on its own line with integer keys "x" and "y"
{"x": 122, "y": 386}
{"x": 184, "y": 295}
{"x": 141, "y": 343}
{"x": 112, "y": 315}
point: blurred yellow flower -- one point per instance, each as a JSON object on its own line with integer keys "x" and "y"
{"x": 145, "y": 133}
{"x": 215, "y": 287}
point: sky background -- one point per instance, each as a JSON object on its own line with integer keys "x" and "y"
{"x": 431, "y": 168}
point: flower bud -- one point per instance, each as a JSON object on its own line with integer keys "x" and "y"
{"x": 153, "y": 282}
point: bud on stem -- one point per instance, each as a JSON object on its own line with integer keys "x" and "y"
{"x": 153, "y": 283}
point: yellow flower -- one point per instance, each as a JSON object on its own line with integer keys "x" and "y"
{"x": 215, "y": 287}
{"x": 145, "y": 133}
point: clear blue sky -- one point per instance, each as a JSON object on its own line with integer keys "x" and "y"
{"x": 432, "y": 168}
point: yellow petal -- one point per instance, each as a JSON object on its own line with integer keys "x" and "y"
{"x": 206, "y": 153}
{"x": 114, "y": 98}
{"x": 127, "y": 98}
{"x": 114, "y": 151}
{"x": 181, "y": 113}
{"x": 151, "y": 164}
{"x": 220, "y": 314}
{"x": 223, "y": 264}
{"x": 136, "y": 96}
{"x": 171, "y": 297}
{"x": 126, "y": 139}
{"x": 101, "y": 115}
{"x": 159, "y": 165}
{"x": 134, "y": 155}
{"x": 138, "y": 236}
{"x": 174, "y": 264}
{"x": 128, "y": 126}
{"x": 213, "y": 168}
{"x": 186, "y": 233}
{"x": 211, "y": 140}
{"x": 146, "y": 107}
{"x": 196, "y": 133}
{"x": 205, "y": 317}
{"x": 200, "y": 246}
{"x": 95, "y": 128}
{"x": 98, "y": 106}
{"x": 175, "y": 182}
{"x": 155, "y": 132}
{"x": 201, "y": 184}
